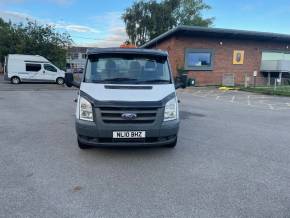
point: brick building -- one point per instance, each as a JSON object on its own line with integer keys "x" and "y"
{"x": 211, "y": 54}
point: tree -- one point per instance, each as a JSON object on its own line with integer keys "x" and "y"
{"x": 137, "y": 20}
{"x": 188, "y": 12}
{"x": 146, "y": 20}
{"x": 6, "y": 38}
{"x": 34, "y": 39}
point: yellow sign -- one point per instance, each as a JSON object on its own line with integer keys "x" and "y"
{"x": 238, "y": 57}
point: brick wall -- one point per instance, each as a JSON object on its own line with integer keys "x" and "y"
{"x": 223, "y": 56}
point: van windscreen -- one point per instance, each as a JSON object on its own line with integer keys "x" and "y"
{"x": 127, "y": 69}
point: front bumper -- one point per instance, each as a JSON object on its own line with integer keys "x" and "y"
{"x": 90, "y": 133}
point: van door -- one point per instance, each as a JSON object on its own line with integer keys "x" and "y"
{"x": 33, "y": 71}
{"x": 50, "y": 72}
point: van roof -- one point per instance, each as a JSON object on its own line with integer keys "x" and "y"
{"x": 22, "y": 57}
{"x": 93, "y": 51}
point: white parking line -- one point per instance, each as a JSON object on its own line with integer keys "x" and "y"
{"x": 233, "y": 99}
{"x": 251, "y": 100}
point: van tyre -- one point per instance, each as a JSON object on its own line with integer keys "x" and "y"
{"x": 172, "y": 145}
{"x": 83, "y": 146}
{"x": 60, "y": 81}
{"x": 15, "y": 80}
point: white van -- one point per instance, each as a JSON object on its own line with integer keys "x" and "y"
{"x": 31, "y": 68}
{"x": 127, "y": 97}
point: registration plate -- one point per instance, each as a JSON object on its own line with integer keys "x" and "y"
{"x": 129, "y": 134}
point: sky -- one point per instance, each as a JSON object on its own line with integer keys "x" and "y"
{"x": 98, "y": 22}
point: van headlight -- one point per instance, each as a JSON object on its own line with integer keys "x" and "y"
{"x": 86, "y": 110}
{"x": 170, "y": 112}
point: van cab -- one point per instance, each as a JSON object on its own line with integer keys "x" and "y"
{"x": 31, "y": 68}
{"x": 126, "y": 97}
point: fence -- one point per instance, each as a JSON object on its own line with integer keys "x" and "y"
{"x": 268, "y": 85}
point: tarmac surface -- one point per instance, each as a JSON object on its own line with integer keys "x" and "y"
{"x": 232, "y": 160}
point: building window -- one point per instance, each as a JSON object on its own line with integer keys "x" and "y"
{"x": 75, "y": 55}
{"x": 198, "y": 59}
{"x": 275, "y": 56}
{"x": 275, "y": 61}
{"x": 84, "y": 56}
{"x": 33, "y": 67}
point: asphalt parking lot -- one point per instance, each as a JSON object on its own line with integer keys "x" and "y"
{"x": 232, "y": 160}
{"x": 241, "y": 98}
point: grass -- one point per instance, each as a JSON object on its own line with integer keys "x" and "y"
{"x": 269, "y": 90}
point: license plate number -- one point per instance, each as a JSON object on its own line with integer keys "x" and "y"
{"x": 129, "y": 134}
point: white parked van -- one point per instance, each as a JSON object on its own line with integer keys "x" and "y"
{"x": 127, "y": 97}
{"x": 31, "y": 68}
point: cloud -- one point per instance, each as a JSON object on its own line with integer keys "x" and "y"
{"x": 17, "y": 17}
{"x": 75, "y": 28}
{"x": 114, "y": 38}
{"x": 112, "y": 30}
{"x": 107, "y": 30}
{"x": 112, "y": 18}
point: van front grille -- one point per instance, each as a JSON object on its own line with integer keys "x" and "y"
{"x": 113, "y": 115}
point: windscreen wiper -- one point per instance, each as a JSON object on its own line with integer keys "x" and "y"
{"x": 155, "y": 81}
{"x": 117, "y": 79}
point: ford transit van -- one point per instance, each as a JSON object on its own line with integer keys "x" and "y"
{"x": 126, "y": 98}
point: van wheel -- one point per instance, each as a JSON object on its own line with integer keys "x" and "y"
{"x": 15, "y": 80}
{"x": 60, "y": 81}
{"x": 83, "y": 146}
{"x": 172, "y": 145}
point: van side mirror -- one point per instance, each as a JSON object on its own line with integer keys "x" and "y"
{"x": 69, "y": 80}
